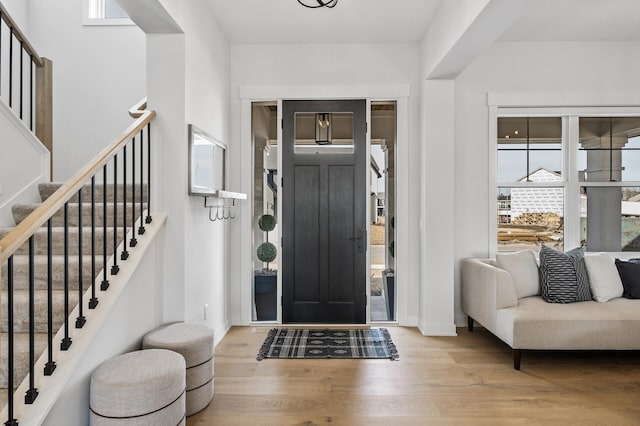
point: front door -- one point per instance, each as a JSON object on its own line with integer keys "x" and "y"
{"x": 324, "y": 192}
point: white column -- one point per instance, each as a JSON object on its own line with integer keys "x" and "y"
{"x": 166, "y": 94}
{"x": 436, "y": 316}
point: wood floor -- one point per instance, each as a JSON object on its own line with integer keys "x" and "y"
{"x": 464, "y": 380}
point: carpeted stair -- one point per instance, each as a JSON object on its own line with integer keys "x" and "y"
{"x": 21, "y": 270}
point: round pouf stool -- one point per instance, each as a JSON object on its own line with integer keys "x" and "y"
{"x": 139, "y": 388}
{"x": 195, "y": 343}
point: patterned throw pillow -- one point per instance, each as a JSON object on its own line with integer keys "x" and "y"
{"x": 563, "y": 276}
{"x": 584, "y": 290}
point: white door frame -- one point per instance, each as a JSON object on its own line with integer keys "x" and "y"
{"x": 399, "y": 93}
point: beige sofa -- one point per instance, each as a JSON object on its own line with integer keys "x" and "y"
{"x": 489, "y": 297}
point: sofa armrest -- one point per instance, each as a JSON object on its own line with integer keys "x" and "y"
{"x": 485, "y": 290}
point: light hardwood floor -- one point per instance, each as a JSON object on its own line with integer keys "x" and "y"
{"x": 464, "y": 380}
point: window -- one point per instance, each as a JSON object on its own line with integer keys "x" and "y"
{"x": 324, "y": 133}
{"x": 577, "y": 173}
{"x": 608, "y": 161}
{"x": 104, "y": 12}
{"x": 530, "y": 182}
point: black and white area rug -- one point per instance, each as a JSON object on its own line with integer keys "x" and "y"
{"x": 328, "y": 343}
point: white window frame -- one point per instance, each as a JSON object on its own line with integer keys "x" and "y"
{"x": 93, "y": 15}
{"x": 570, "y": 141}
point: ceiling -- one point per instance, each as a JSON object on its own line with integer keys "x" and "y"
{"x": 577, "y": 20}
{"x": 386, "y": 21}
{"x": 351, "y": 21}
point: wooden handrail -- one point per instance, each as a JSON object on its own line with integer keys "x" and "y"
{"x": 21, "y": 37}
{"x": 21, "y": 233}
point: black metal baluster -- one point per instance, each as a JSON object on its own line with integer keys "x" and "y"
{"x": 66, "y": 341}
{"x": 21, "y": 74}
{"x": 93, "y": 302}
{"x": 81, "y": 320}
{"x": 32, "y": 393}
{"x": 0, "y": 50}
{"x": 31, "y": 93}
{"x": 10, "y": 67}
{"x": 141, "y": 229}
{"x": 50, "y": 366}
{"x": 133, "y": 242}
{"x": 125, "y": 253}
{"x": 105, "y": 282}
{"x": 115, "y": 268}
{"x": 148, "y": 219}
{"x": 11, "y": 421}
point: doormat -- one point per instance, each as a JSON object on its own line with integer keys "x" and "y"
{"x": 328, "y": 343}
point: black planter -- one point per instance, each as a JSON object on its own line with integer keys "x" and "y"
{"x": 390, "y": 295}
{"x": 266, "y": 297}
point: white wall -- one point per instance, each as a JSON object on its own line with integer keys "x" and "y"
{"x": 23, "y": 169}
{"x": 346, "y": 65}
{"x": 98, "y": 74}
{"x": 601, "y": 68}
{"x": 19, "y": 11}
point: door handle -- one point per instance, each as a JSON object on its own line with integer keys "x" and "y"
{"x": 359, "y": 238}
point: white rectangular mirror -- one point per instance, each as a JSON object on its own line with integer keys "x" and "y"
{"x": 206, "y": 163}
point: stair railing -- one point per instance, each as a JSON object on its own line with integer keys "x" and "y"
{"x": 137, "y": 139}
{"x": 23, "y": 66}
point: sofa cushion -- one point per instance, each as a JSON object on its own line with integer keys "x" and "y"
{"x": 523, "y": 268}
{"x": 603, "y": 277}
{"x": 630, "y": 276}
{"x": 534, "y": 324}
{"x": 558, "y": 278}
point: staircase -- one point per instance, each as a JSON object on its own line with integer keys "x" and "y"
{"x": 86, "y": 271}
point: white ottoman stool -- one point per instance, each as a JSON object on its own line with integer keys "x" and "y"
{"x": 195, "y": 343}
{"x": 138, "y": 389}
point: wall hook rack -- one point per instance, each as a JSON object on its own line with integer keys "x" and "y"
{"x": 224, "y": 204}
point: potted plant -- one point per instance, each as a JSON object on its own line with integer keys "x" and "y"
{"x": 266, "y": 279}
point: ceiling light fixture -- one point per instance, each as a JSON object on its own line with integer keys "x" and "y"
{"x": 320, "y": 3}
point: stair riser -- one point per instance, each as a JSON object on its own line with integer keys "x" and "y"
{"x": 46, "y": 189}
{"x": 20, "y": 212}
{"x": 40, "y": 241}
{"x": 21, "y": 273}
{"x": 21, "y": 310}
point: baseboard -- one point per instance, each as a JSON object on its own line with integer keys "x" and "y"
{"x": 220, "y": 332}
{"x": 437, "y": 329}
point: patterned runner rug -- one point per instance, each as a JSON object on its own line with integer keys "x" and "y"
{"x": 328, "y": 343}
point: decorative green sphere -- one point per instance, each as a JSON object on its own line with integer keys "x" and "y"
{"x": 267, "y": 252}
{"x": 267, "y": 222}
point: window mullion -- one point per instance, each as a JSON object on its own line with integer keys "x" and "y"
{"x": 493, "y": 178}
{"x": 572, "y": 214}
